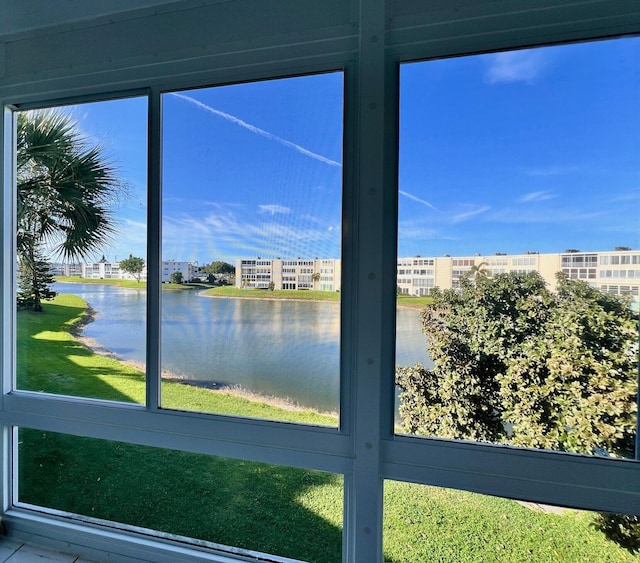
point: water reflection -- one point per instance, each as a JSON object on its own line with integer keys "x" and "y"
{"x": 286, "y": 349}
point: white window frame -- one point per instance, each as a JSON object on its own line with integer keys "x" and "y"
{"x": 369, "y": 39}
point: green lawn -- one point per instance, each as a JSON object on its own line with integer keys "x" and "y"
{"x": 120, "y": 283}
{"x": 130, "y": 284}
{"x": 290, "y": 512}
{"x": 411, "y": 301}
{"x": 229, "y": 291}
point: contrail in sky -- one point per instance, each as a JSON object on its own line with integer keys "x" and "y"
{"x": 257, "y": 130}
{"x": 414, "y": 198}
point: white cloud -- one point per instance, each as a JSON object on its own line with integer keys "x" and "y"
{"x": 536, "y": 196}
{"x": 257, "y": 130}
{"x": 225, "y": 234}
{"x": 274, "y": 209}
{"x": 556, "y": 215}
{"x": 632, "y": 195}
{"x": 130, "y": 239}
{"x": 515, "y": 66}
{"x": 551, "y": 171}
{"x": 414, "y": 198}
{"x": 461, "y": 217}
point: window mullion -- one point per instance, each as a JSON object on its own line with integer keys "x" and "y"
{"x": 154, "y": 246}
{"x": 363, "y": 495}
{"x": 7, "y": 329}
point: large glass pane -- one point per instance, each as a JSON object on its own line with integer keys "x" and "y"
{"x": 423, "y": 523}
{"x": 519, "y": 257}
{"x": 252, "y": 197}
{"x": 273, "y": 509}
{"x": 81, "y": 211}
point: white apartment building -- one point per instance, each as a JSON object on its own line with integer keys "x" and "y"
{"x": 304, "y": 274}
{"x": 189, "y": 270}
{"x": 108, "y": 271}
{"x": 418, "y": 276}
{"x": 63, "y": 269}
{"x": 111, "y": 270}
{"x": 616, "y": 272}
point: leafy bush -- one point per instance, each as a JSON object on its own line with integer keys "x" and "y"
{"x": 621, "y": 528}
{"x": 517, "y": 363}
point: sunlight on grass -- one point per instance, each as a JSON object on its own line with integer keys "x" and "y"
{"x": 70, "y": 368}
{"x": 52, "y": 335}
{"x": 425, "y": 523}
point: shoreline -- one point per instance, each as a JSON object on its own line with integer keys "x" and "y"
{"x": 334, "y": 301}
{"x": 202, "y": 293}
{"x": 77, "y": 329}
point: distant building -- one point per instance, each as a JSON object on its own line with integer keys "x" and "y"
{"x": 189, "y": 270}
{"x": 300, "y": 274}
{"x": 104, "y": 270}
{"x": 69, "y": 270}
{"x": 418, "y": 276}
{"x": 616, "y": 272}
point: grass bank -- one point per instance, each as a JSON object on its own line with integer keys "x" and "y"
{"x": 287, "y": 511}
{"x": 130, "y": 284}
{"x": 231, "y": 291}
{"x": 413, "y": 302}
{"x": 402, "y": 300}
{"x": 302, "y": 295}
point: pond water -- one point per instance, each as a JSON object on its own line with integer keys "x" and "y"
{"x": 281, "y": 348}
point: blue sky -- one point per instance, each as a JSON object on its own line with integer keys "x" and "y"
{"x": 526, "y": 150}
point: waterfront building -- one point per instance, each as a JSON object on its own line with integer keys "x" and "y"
{"x": 189, "y": 270}
{"x": 64, "y": 269}
{"x": 616, "y": 272}
{"x": 104, "y": 270}
{"x": 298, "y": 274}
{"x": 108, "y": 271}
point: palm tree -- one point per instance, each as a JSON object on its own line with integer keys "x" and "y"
{"x": 479, "y": 270}
{"x": 65, "y": 187}
{"x": 315, "y": 278}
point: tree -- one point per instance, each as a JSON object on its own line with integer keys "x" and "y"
{"x": 65, "y": 186}
{"x": 133, "y": 265}
{"x": 65, "y": 189}
{"x": 176, "y": 277}
{"x": 478, "y": 270}
{"x": 219, "y": 271}
{"x": 34, "y": 280}
{"x": 219, "y": 267}
{"x": 518, "y": 364}
{"x": 315, "y": 277}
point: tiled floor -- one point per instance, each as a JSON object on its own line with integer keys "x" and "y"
{"x": 16, "y": 552}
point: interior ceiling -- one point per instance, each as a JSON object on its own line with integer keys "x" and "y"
{"x": 20, "y": 17}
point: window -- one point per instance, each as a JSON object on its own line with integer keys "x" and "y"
{"x": 104, "y": 176}
{"x": 463, "y": 390}
{"x": 220, "y": 145}
{"x": 507, "y": 529}
{"x": 108, "y": 481}
{"x": 479, "y": 177}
